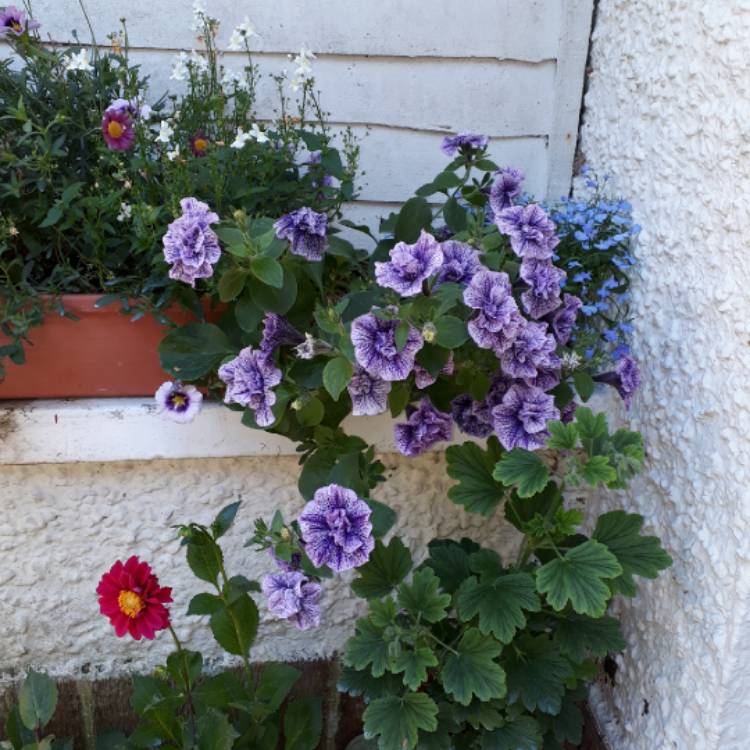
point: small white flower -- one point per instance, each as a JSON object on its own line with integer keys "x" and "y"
{"x": 258, "y": 134}
{"x": 180, "y": 403}
{"x": 303, "y": 72}
{"x": 166, "y": 131}
{"x": 173, "y": 154}
{"x": 240, "y": 34}
{"x": 126, "y": 212}
{"x": 146, "y": 112}
{"x": 180, "y": 71}
{"x": 571, "y": 360}
{"x": 79, "y": 61}
{"x": 198, "y": 62}
{"x": 241, "y": 139}
{"x": 231, "y": 80}
{"x": 199, "y": 16}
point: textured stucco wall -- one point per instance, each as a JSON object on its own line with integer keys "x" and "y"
{"x": 63, "y": 525}
{"x": 666, "y": 113}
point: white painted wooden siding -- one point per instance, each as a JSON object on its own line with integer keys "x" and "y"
{"x": 402, "y": 73}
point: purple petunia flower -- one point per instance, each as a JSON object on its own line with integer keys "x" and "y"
{"x": 278, "y": 331}
{"x": 375, "y": 348}
{"x": 410, "y": 265}
{"x": 505, "y": 188}
{"x": 568, "y": 413}
{"x": 15, "y": 21}
{"x": 306, "y": 231}
{"x": 475, "y": 417}
{"x": 521, "y": 419}
{"x": 336, "y": 529}
{"x": 292, "y": 596}
{"x": 498, "y": 320}
{"x": 531, "y": 231}
{"x": 532, "y": 350}
{"x": 286, "y": 565}
{"x": 190, "y": 245}
{"x": 460, "y": 263}
{"x": 626, "y": 378}
{"x": 453, "y": 143}
{"x": 423, "y": 378}
{"x": 117, "y": 128}
{"x": 369, "y": 394}
{"x": 250, "y": 377}
{"x": 544, "y": 278}
{"x": 424, "y": 427}
{"x": 564, "y": 319}
{"x": 180, "y": 403}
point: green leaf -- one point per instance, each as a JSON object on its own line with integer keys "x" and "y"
{"x": 592, "y": 429}
{"x": 357, "y": 683}
{"x": 568, "y": 724}
{"x": 303, "y": 723}
{"x": 204, "y": 604}
{"x": 224, "y": 519}
{"x": 215, "y": 731}
{"x": 382, "y": 518}
{"x": 598, "y": 470}
{"x": 219, "y": 691}
{"x": 522, "y": 733}
{"x": 247, "y": 313}
{"x": 397, "y": 720}
{"x": 414, "y": 216}
{"x": 268, "y": 270}
{"x": 205, "y": 558}
{"x": 499, "y": 602}
{"x": 192, "y": 351}
{"x": 276, "y": 680}
{"x": 398, "y": 398}
{"x": 231, "y": 284}
{"x": 234, "y": 626}
{"x": 580, "y": 636}
{"x": 449, "y": 560}
{"x": 311, "y": 413}
{"x": 579, "y": 578}
{"x": 37, "y": 699}
{"x": 472, "y": 467}
{"x": 455, "y": 216}
{"x": 336, "y": 376}
{"x": 584, "y": 384}
{"x": 422, "y": 597}
{"x": 637, "y": 555}
{"x": 471, "y": 671}
{"x": 537, "y": 674}
{"x": 367, "y": 647}
{"x": 414, "y": 664}
{"x": 562, "y": 436}
{"x": 385, "y": 569}
{"x": 230, "y": 235}
{"x": 451, "y": 332}
{"x": 524, "y": 469}
{"x": 520, "y": 511}
{"x": 271, "y": 299}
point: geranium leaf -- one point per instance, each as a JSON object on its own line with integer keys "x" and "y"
{"x": 472, "y": 467}
{"x": 562, "y": 436}
{"x": 638, "y": 555}
{"x": 579, "y": 636}
{"x": 578, "y": 578}
{"x": 414, "y": 664}
{"x": 361, "y": 682}
{"x": 450, "y": 562}
{"x": 524, "y": 469}
{"x": 367, "y": 647}
{"x": 422, "y": 597}
{"x": 397, "y": 719}
{"x": 522, "y": 733}
{"x": 471, "y": 670}
{"x": 598, "y": 470}
{"x": 385, "y": 569}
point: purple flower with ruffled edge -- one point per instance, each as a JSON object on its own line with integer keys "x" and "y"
{"x": 532, "y": 350}
{"x": 544, "y": 278}
{"x": 375, "y": 349}
{"x": 410, "y": 265}
{"x": 16, "y": 22}
{"x": 190, "y": 245}
{"x": 463, "y": 141}
{"x": 498, "y": 320}
{"x": 292, "y": 596}
{"x": 369, "y": 394}
{"x": 505, "y": 188}
{"x": 278, "y": 331}
{"x": 568, "y": 412}
{"x": 626, "y": 378}
{"x": 460, "y": 263}
{"x": 178, "y": 402}
{"x": 531, "y": 231}
{"x": 521, "y": 419}
{"x": 423, "y": 378}
{"x": 475, "y": 417}
{"x": 306, "y": 231}
{"x": 250, "y": 378}
{"x": 424, "y": 427}
{"x": 336, "y": 529}
{"x": 564, "y": 319}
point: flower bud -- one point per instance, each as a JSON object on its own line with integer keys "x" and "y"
{"x": 297, "y": 404}
{"x": 429, "y": 332}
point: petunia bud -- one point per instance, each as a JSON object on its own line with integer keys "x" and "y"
{"x": 429, "y": 332}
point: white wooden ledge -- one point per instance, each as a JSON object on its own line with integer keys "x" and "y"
{"x": 124, "y": 429}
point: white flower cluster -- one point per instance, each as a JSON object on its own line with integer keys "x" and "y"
{"x": 78, "y": 61}
{"x": 303, "y": 72}
{"x": 255, "y": 134}
{"x": 240, "y": 35}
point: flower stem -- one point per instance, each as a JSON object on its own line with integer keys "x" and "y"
{"x": 186, "y": 676}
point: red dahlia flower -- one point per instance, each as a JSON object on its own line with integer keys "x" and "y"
{"x": 117, "y": 129}
{"x": 131, "y": 597}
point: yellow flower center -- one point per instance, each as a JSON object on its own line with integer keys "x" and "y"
{"x": 130, "y": 603}
{"x": 16, "y": 26}
{"x": 201, "y": 144}
{"x": 178, "y": 400}
{"x": 115, "y": 129}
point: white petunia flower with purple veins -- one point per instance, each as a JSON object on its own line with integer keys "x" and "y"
{"x": 499, "y": 320}
{"x": 423, "y": 378}
{"x": 376, "y": 350}
{"x": 178, "y": 402}
{"x": 475, "y": 417}
{"x": 306, "y": 231}
{"x": 521, "y": 419}
{"x": 531, "y": 231}
{"x": 369, "y": 394}
{"x": 547, "y": 376}
{"x": 532, "y": 350}
{"x": 190, "y": 245}
{"x": 424, "y": 427}
{"x": 250, "y": 378}
{"x": 336, "y": 529}
{"x": 505, "y": 189}
{"x": 564, "y": 319}
{"x": 460, "y": 263}
{"x": 544, "y": 279}
{"x": 278, "y": 331}
{"x": 292, "y": 596}
{"x": 464, "y": 141}
{"x": 410, "y": 265}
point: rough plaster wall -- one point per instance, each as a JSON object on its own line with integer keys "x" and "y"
{"x": 63, "y": 525}
{"x": 667, "y": 113}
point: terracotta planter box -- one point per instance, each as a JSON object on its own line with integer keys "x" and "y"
{"x": 103, "y": 354}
